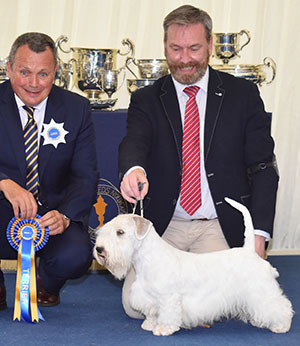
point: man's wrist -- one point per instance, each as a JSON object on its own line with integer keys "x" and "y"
{"x": 262, "y": 233}
{"x": 67, "y": 220}
{"x": 134, "y": 168}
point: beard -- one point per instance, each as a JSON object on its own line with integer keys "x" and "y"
{"x": 200, "y": 66}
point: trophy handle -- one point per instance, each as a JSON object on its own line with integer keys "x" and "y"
{"x": 247, "y": 33}
{"x": 131, "y": 51}
{"x": 124, "y": 75}
{"x": 71, "y": 63}
{"x": 270, "y": 63}
{"x": 59, "y": 42}
{"x": 130, "y": 60}
{"x": 131, "y": 47}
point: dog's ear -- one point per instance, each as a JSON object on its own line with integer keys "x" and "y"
{"x": 142, "y": 226}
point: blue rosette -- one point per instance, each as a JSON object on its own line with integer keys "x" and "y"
{"x": 26, "y": 237}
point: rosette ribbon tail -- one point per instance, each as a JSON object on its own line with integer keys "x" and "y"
{"x": 26, "y": 298}
{"x": 17, "y": 309}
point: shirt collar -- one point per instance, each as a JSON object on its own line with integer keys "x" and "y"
{"x": 20, "y": 103}
{"x": 202, "y": 83}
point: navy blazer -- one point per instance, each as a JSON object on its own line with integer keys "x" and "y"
{"x": 67, "y": 174}
{"x": 236, "y": 138}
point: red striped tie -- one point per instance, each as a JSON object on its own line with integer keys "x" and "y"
{"x": 190, "y": 199}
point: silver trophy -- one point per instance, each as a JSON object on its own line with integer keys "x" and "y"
{"x": 227, "y": 45}
{"x": 148, "y": 68}
{"x": 258, "y": 74}
{"x": 135, "y": 84}
{"x": 3, "y": 71}
{"x": 92, "y": 68}
{"x": 63, "y": 76}
{"x": 110, "y": 81}
{"x": 148, "y": 71}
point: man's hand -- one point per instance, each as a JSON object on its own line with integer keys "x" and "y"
{"x": 260, "y": 243}
{"x": 56, "y": 222}
{"x": 23, "y": 203}
{"x": 129, "y": 186}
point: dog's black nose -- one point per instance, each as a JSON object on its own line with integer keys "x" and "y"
{"x": 100, "y": 249}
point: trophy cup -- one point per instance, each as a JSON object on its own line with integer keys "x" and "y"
{"x": 3, "y": 71}
{"x": 110, "y": 81}
{"x": 92, "y": 68}
{"x": 148, "y": 71}
{"x": 255, "y": 73}
{"x": 227, "y": 45}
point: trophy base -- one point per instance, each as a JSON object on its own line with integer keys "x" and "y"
{"x": 102, "y": 104}
{"x": 93, "y": 94}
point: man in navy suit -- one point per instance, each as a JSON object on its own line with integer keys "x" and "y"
{"x": 236, "y": 148}
{"x": 67, "y": 169}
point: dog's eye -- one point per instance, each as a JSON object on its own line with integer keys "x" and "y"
{"x": 120, "y": 232}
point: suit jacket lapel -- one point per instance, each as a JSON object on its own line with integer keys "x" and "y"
{"x": 171, "y": 107}
{"x": 213, "y": 106}
{"x": 52, "y": 111}
{"x": 11, "y": 120}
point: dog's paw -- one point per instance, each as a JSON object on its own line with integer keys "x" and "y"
{"x": 279, "y": 330}
{"x": 164, "y": 330}
{"x": 147, "y": 325}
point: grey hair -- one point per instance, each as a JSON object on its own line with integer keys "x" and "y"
{"x": 187, "y": 15}
{"x": 37, "y": 42}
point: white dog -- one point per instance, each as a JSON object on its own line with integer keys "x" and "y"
{"x": 175, "y": 289}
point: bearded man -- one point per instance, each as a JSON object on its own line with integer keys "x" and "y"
{"x": 194, "y": 137}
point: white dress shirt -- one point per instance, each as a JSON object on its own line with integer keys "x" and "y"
{"x": 207, "y": 209}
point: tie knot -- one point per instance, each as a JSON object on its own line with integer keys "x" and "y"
{"x": 191, "y": 90}
{"x": 29, "y": 110}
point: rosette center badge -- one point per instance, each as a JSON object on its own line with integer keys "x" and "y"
{"x": 54, "y": 133}
{"x": 27, "y": 233}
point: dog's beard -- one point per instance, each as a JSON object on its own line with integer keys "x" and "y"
{"x": 118, "y": 270}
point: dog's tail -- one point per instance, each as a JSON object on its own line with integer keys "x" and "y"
{"x": 249, "y": 241}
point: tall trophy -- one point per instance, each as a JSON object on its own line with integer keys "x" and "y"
{"x": 96, "y": 72}
{"x": 147, "y": 72}
{"x": 227, "y": 47}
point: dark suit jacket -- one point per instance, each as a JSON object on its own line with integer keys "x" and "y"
{"x": 236, "y": 137}
{"x": 68, "y": 173}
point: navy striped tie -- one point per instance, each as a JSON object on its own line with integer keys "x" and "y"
{"x": 31, "y": 153}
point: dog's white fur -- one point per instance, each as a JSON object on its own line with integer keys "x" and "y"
{"x": 175, "y": 289}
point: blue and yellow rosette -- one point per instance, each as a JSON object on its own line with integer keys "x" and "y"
{"x": 27, "y": 237}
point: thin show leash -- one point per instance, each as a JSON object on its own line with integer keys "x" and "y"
{"x": 140, "y": 187}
